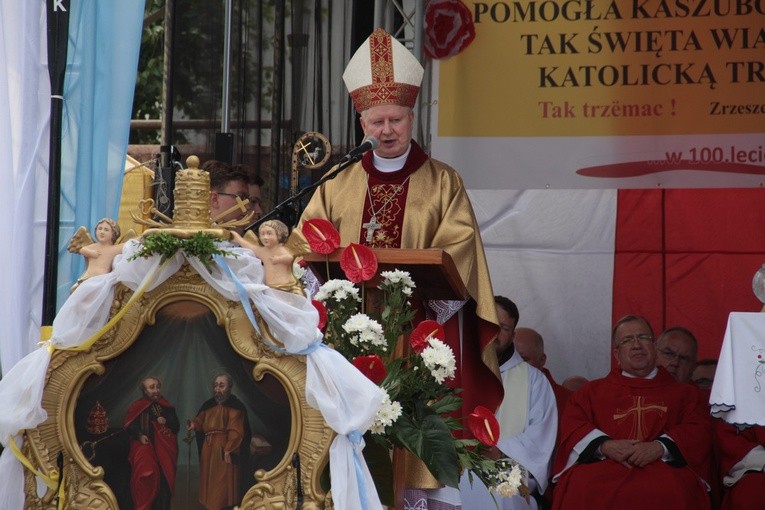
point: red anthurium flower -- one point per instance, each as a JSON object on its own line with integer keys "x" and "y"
{"x": 371, "y": 366}
{"x": 322, "y": 313}
{"x": 484, "y": 425}
{"x": 322, "y": 236}
{"x": 423, "y": 331}
{"x": 359, "y": 263}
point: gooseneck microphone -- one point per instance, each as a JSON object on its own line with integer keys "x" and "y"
{"x": 370, "y": 143}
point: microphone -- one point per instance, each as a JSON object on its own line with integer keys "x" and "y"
{"x": 369, "y": 143}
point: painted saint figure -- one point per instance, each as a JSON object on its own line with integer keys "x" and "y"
{"x": 152, "y": 424}
{"x": 223, "y": 434}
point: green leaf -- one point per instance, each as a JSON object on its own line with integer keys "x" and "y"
{"x": 446, "y": 404}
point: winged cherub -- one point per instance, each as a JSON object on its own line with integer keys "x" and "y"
{"x": 99, "y": 254}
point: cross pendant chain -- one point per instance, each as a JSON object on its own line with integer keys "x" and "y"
{"x": 370, "y": 227}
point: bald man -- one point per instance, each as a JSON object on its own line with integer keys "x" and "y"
{"x": 531, "y": 346}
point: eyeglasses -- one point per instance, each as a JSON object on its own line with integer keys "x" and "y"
{"x": 643, "y": 338}
{"x": 240, "y": 196}
{"x": 672, "y": 355}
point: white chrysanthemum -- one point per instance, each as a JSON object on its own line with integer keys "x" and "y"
{"x": 506, "y": 490}
{"x": 398, "y": 277}
{"x": 407, "y": 291}
{"x": 338, "y": 290}
{"x": 510, "y": 482}
{"x": 514, "y": 477}
{"x": 439, "y": 359}
{"x": 364, "y": 330}
{"x": 298, "y": 272}
{"x": 387, "y": 414}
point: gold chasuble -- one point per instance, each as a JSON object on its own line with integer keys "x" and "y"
{"x": 423, "y": 205}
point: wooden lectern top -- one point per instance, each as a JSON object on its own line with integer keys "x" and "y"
{"x": 432, "y": 270}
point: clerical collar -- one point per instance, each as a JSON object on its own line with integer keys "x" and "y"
{"x": 388, "y": 165}
{"x": 649, "y": 376}
{"x": 415, "y": 158}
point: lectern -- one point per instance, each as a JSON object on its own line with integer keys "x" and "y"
{"x": 432, "y": 270}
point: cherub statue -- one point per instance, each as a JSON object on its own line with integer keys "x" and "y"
{"x": 271, "y": 250}
{"x": 98, "y": 254}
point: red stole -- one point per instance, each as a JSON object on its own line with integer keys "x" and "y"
{"x": 386, "y": 199}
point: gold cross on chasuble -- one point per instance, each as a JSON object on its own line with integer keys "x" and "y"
{"x": 639, "y": 408}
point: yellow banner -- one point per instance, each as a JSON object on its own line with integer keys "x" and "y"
{"x": 607, "y": 68}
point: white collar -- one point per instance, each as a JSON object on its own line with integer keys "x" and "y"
{"x": 649, "y": 376}
{"x": 388, "y": 165}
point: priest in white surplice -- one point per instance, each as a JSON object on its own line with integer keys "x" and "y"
{"x": 528, "y": 420}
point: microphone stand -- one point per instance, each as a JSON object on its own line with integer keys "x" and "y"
{"x": 293, "y": 200}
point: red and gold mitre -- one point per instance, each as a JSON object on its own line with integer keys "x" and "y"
{"x": 382, "y": 71}
{"x": 98, "y": 422}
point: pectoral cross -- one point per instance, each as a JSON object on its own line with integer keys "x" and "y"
{"x": 370, "y": 227}
{"x": 639, "y": 409}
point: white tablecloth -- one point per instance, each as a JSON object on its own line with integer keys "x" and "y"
{"x": 738, "y": 392}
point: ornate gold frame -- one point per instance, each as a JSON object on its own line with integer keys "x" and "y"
{"x": 310, "y": 437}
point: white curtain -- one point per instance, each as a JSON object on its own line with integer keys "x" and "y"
{"x": 552, "y": 253}
{"x": 24, "y": 116}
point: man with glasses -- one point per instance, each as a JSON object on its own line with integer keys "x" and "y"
{"x": 635, "y": 439}
{"x": 229, "y": 187}
{"x": 678, "y": 349}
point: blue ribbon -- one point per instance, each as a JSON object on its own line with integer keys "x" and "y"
{"x": 355, "y": 437}
{"x": 244, "y": 298}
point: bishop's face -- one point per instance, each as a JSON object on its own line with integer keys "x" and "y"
{"x": 392, "y": 126}
{"x": 634, "y": 349}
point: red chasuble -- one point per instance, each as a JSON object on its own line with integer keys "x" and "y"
{"x": 145, "y": 459}
{"x": 642, "y": 410}
{"x": 749, "y": 491}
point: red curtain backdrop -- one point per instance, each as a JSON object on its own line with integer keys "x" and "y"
{"x": 687, "y": 258}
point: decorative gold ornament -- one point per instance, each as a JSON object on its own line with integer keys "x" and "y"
{"x": 71, "y": 374}
{"x": 311, "y": 151}
{"x": 191, "y": 213}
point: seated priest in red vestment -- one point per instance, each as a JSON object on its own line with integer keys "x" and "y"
{"x": 742, "y": 461}
{"x": 635, "y": 439}
{"x": 152, "y": 424}
{"x": 398, "y": 197}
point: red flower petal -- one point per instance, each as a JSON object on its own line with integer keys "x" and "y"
{"x": 423, "y": 331}
{"x": 484, "y": 425}
{"x": 322, "y": 313}
{"x": 449, "y": 28}
{"x": 371, "y": 366}
{"x": 358, "y": 262}
{"x": 321, "y": 234}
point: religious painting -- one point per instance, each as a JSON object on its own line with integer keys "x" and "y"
{"x": 191, "y": 360}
